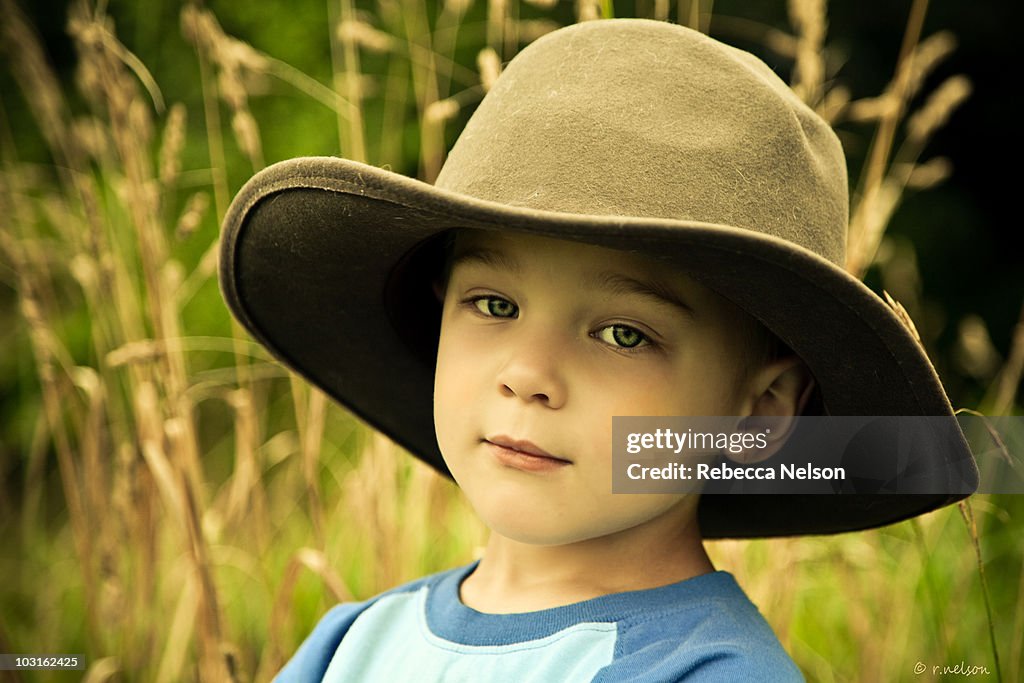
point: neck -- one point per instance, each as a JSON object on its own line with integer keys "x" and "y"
{"x": 519, "y": 577}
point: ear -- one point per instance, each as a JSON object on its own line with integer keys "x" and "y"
{"x": 778, "y": 393}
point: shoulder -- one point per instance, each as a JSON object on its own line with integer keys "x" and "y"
{"x": 718, "y": 634}
{"x": 314, "y": 655}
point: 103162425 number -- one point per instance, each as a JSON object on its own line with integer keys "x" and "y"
{"x": 13, "y": 662}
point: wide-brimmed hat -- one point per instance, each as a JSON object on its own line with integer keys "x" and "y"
{"x": 629, "y": 134}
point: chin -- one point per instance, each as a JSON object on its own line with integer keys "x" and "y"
{"x": 533, "y": 529}
{"x": 537, "y": 537}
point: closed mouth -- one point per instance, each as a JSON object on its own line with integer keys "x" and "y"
{"x": 523, "y": 446}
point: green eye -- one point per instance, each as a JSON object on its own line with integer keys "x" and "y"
{"x": 623, "y": 336}
{"x": 496, "y": 307}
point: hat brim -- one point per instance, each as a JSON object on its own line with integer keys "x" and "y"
{"x": 327, "y": 263}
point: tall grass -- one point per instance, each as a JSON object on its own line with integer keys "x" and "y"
{"x": 181, "y": 508}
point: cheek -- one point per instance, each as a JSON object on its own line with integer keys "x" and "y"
{"x": 445, "y": 389}
{"x": 640, "y": 389}
{"x": 456, "y": 383}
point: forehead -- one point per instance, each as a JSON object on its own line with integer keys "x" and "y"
{"x": 520, "y": 254}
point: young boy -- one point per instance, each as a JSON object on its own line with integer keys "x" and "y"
{"x": 628, "y": 213}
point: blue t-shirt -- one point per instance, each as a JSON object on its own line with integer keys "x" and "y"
{"x": 701, "y": 629}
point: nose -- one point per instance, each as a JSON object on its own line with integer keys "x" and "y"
{"x": 532, "y": 372}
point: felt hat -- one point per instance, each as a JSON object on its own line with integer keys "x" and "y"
{"x": 628, "y": 134}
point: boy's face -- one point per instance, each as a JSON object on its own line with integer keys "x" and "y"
{"x": 542, "y": 342}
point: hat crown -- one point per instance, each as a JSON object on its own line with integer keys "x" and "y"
{"x": 639, "y": 118}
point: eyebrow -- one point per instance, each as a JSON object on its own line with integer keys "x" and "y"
{"x": 609, "y": 281}
{"x": 487, "y": 257}
{"x": 653, "y": 290}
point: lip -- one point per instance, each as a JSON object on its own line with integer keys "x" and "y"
{"x": 523, "y": 455}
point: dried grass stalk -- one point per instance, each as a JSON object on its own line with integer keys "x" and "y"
{"x": 975, "y": 352}
{"x": 233, "y": 60}
{"x": 902, "y": 314}
{"x": 103, "y": 669}
{"x": 172, "y": 146}
{"x": 440, "y": 111}
{"x": 352, "y": 137}
{"x": 243, "y": 497}
{"x": 497, "y": 17}
{"x": 880, "y": 191}
{"x": 808, "y": 18}
{"x": 489, "y": 64}
{"x": 938, "y": 108}
{"x": 928, "y": 54}
{"x": 835, "y": 103}
{"x": 458, "y": 8}
{"x": 179, "y": 635}
{"x": 930, "y": 173}
{"x": 192, "y": 215}
{"x": 588, "y": 10}
{"x": 35, "y": 77}
{"x": 362, "y": 34}
{"x": 1009, "y": 381}
{"x": 316, "y": 562}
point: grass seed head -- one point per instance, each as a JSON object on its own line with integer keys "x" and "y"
{"x": 364, "y": 35}
{"x": 172, "y": 145}
{"x": 937, "y": 110}
{"x": 489, "y": 64}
